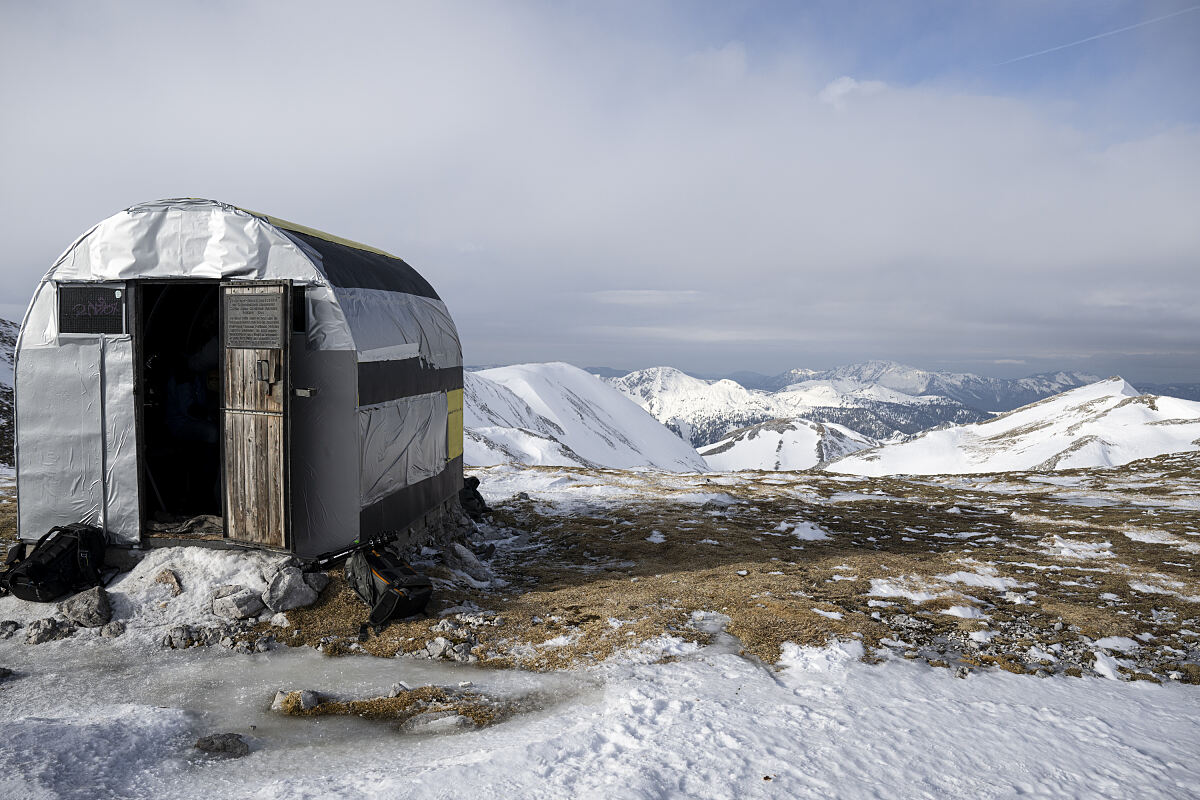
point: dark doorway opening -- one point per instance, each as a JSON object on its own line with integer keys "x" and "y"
{"x": 179, "y": 325}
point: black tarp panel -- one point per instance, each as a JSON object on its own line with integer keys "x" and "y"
{"x": 351, "y": 268}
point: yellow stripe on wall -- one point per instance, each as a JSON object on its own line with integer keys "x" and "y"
{"x": 454, "y": 423}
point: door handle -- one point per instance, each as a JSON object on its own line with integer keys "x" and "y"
{"x": 263, "y": 370}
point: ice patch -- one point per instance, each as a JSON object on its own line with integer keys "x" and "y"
{"x": 990, "y": 581}
{"x": 1064, "y": 548}
{"x": 833, "y": 657}
{"x": 1164, "y": 585}
{"x": 883, "y": 587}
{"x": 1107, "y": 667}
{"x": 1121, "y": 644}
{"x": 829, "y": 614}
{"x": 807, "y": 531}
{"x": 965, "y": 612}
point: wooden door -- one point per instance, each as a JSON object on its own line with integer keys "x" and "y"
{"x": 255, "y": 320}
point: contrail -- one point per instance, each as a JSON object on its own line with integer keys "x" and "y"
{"x": 1099, "y": 36}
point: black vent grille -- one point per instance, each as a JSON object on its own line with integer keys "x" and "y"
{"x": 91, "y": 309}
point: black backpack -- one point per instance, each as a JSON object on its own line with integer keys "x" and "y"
{"x": 64, "y": 561}
{"x": 388, "y": 584}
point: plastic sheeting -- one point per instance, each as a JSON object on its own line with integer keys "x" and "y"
{"x": 123, "y": 504}
{"x": 199, "y": 239}
{"x": 380, "y": 319}
{"x": 402, "y": 442}
{"x": 65, "y": 464}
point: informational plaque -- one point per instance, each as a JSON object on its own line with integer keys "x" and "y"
{"x": 90, "y": 309}
{"x": 254, "y": 321}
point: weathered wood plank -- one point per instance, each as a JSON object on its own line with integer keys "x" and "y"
{"x": 254, "y": 438}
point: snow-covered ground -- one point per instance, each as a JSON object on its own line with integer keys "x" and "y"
{"x": 82, "y": 722}
{"x": 89, "y": 717}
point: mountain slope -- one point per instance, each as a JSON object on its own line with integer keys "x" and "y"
{"x": 704, "y": 412}
{"x": 783, "y": 444}
{"x": 1107, "y": 423}
{"x": 557, "y": 414}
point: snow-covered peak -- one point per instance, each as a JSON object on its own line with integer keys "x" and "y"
{"x": 558, "y": 414}
{"x": 1106, "y": 423}
{"x": 783, "y": 444}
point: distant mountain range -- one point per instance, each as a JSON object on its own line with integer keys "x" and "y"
{"x": 1184, "y": 391}
{"x": 876, "y": 417}
{"x": 704, "y": 412}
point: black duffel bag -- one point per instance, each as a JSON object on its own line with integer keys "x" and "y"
{"x": 64, "y": 561}
{"x": 388, "y": 585}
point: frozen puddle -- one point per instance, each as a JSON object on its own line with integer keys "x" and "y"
{"x": 105, "y": 720}
{"x": 111, "y": 723}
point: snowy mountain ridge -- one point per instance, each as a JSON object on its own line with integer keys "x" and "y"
{"x": 704, "y": 412}
{"x": 784, "y": 444}
{"x": 1107, "y": 423}
{"x": 983, "y": 393}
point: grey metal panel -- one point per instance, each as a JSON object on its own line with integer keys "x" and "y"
{"x": 382, "y": 321}
{"x": 403, "y": 442}
{"x": 123, "y": 508}
{"x": 58, "y": 413}
{"x": 324, "y": 451}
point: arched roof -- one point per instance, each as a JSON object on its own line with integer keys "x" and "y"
{"x": 359, "y": 297}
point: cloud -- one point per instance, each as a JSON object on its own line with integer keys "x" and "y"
{"x": 838, "y": 91}
{"x": 600, "y": 188}
{"x": 646, "y": 297}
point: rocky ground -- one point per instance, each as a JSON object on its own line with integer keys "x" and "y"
{"x": 1089, "y": 572}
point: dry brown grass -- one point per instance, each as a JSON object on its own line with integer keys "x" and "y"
{"x": 408, "y": 704}
{"x": 592, "y": 584}
{"x": 585, "y": 585}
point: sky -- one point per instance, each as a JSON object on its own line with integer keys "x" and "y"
{"x": 716, "y": 186}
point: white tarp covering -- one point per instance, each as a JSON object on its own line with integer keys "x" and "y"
{"x": 65, "y": 464}
{"x": 122, "y": 509}
{"x": 380, "y": 319}
{"x": 403, "y": 442}
{"x": 198, "y": 239}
